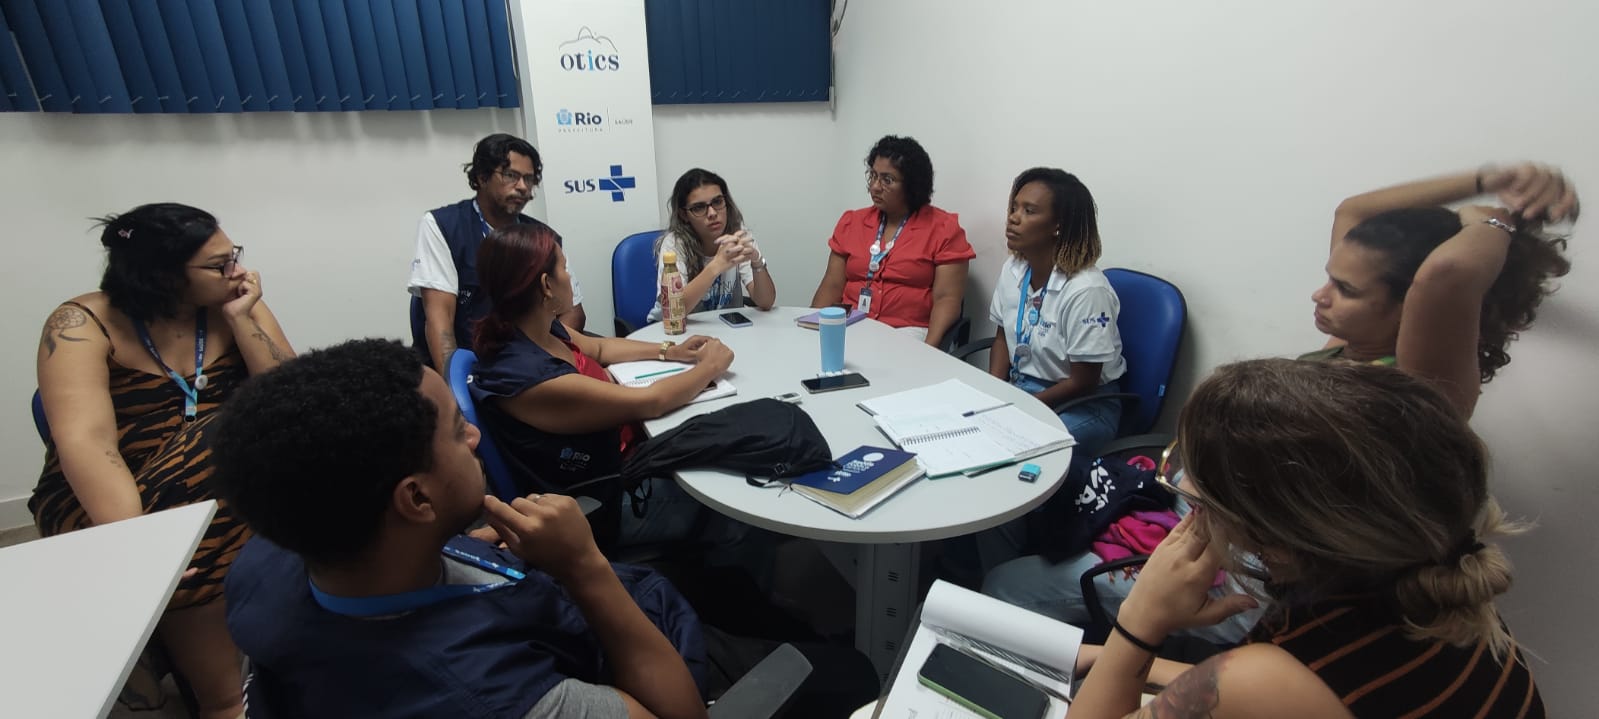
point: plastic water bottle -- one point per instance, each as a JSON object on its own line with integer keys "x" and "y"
{"x": 831, "y": 326}
{"x": 673, "y": 313}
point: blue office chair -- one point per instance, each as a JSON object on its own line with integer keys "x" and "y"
{"x": 462, "y": 362}
{"x": 39, "y": 422}
{"x": 633, "y": 280}
{"x": 1151, "y": 325}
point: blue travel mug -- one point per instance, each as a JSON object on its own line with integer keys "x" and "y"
{"x": 831, "y": 326}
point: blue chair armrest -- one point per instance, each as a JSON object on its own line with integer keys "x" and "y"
{"x": 1132, "y": 401}
{"x": 765, "y": 690}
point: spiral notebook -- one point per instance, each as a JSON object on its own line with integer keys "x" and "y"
{"x": 643, "y": 373}
{"x": 947, "y": 441}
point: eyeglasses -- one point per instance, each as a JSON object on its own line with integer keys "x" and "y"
{"x": 886, "y": 180}
{"x": 699, "y": 209}
{"x": 227, "y": 266}
{"x": 514, "y": 178}
{"x": 1170, "y": 472}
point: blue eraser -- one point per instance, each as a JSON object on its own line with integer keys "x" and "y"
{"x": 1029, "y": 473}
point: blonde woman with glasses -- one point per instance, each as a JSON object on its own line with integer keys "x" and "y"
{"x": 1357, "y": 495}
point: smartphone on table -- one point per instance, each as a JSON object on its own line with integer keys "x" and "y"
{"x": 736, "y": 319}
{"x": 831, "y": 383}
{"x": 980, "y": 687}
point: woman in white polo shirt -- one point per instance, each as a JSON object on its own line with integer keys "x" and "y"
{"x": 1056, "y": 312}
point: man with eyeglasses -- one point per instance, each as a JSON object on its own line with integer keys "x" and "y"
{"x": 504, "y": 171}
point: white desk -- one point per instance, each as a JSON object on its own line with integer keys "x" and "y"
{"x": 79, "y": 607}
{"x": 770, "y": 358}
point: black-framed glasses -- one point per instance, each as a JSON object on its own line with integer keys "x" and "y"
{"x": 228, "y": 265}
{"x": 886, "y": 180}
{"x": 513, "y": 177}
{"x": 1169, "y": 472}
{"x": 699, "y": 209}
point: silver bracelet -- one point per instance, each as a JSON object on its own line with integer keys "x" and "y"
{"x": 1496, "y": 222}
{"x": 760, "y": 267}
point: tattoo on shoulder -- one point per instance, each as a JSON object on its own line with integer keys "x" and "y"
{"x": 266, "y": 339}
{"x": 1193, "y": 694}
{"x": 63, "y": 319}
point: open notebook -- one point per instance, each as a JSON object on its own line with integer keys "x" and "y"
{"x": 954, "y": 428}
{"x": 1032, "y": 647}
{"x": 644, "y": 373}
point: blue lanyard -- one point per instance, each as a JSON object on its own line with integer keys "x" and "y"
{"x": 1024, "y": 328}
{"x": 391, "y": 604}
{"x": 878, "y": 250}
{"x": 191, "y": 394}
{"x": 485, "y": 223}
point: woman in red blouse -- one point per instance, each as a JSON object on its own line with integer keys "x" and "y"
{"x": 902, "y": 260}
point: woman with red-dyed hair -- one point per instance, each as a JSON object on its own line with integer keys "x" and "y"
{"x": 545, "y": 396}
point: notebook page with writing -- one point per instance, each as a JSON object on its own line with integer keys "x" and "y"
{"x": 1040, "y": 650}
{"x": 951, "y": 395}
{"x": 1020, "y": 433}
{"x": 945, "y": 443}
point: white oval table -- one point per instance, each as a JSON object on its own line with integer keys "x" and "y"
{"x": 770, "y": 358}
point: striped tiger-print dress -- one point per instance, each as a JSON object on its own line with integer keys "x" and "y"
{"x": 1359, "y": 649}
{"x": 170, "y": 461}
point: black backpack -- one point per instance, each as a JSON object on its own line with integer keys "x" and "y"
{"x": 761, "y": 439}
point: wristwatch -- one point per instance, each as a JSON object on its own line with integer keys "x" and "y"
{"x": 666, "y": 345}
{"x": 760, "y": 267}
{"x": 1501, "y": 224}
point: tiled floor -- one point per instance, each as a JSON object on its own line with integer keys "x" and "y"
{"x": 19, "y": 535}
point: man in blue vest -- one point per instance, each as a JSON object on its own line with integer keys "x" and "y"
{"x": 358, "y": 597}
{"x": 505, "y": 171}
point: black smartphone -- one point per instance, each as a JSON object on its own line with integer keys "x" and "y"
{"x": 835, "y": 382}
{"x": 980, "y": 687}
{"x": 735, "y": 319}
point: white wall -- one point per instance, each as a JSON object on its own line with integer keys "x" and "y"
{"x": 326, "y": 206}
{"x": 1216, "y": 137}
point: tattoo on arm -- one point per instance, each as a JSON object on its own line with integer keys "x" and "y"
{"x": 116, "y": 458}
{"x": 55, "y": 328}
{"x": 446, "y": 342}
{"x": 1194, "y": 693}
{"x": 262, "y": 336}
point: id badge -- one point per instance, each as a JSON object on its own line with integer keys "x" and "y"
{"x": 864, "y": 302}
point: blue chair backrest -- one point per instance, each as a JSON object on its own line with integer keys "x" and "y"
{"x": 1151, "y": 327}
{"x": 39, "y": 422}
{"x": 462, "y": 362}
{"x": 633, "y": 279}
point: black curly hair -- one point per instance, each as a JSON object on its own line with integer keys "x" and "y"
{"x": 1406, "y": 237}
{"x": 148, "y": 249}
{"x": 309, "y": 454}
{"x": 915, "y": 168}
{"x": 494, "y": 152}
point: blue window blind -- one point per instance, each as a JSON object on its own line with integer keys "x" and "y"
{"x": 711, "y": 51}
{"x": 205, "y": 56}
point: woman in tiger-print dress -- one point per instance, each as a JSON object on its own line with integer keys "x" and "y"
{"x": 131, "y": 377}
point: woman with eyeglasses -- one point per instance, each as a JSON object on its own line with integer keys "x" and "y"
{"x": 1358, "y": 495}
{"x": 130, "y": 378}
{"x": 901, "y": 261}
{"x": 715, "y": 252}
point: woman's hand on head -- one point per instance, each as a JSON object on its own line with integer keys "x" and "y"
{"x": 1173, "y": 590}
{"x": 1532, "y": 190}
{"x": 248, "y": 294}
